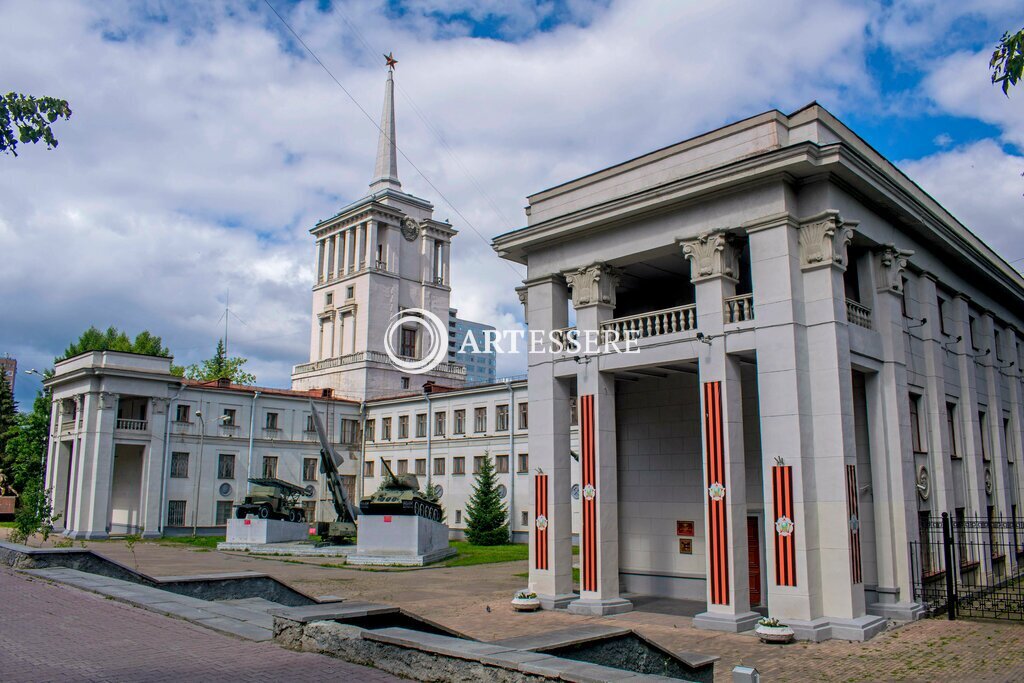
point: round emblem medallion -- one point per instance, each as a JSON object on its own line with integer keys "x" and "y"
{"x": 410, "y": 229}
{"x": 542, "y": 522}
{"x": 784, "y": 526}
{"x": 589, "y": 492}
{"x": 225, "y": 489}
{"x": 502, "y": 491}
{"x": 716, "y": 491}
{"x": 854, "y": 523}
{"x": 924, "y": 485}
{"x": 575, "y": 491}
{"x": 988, "y": 481}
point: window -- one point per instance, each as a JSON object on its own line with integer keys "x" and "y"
{"x": 524, "y": 414}
{"x": 403, "y": 426}
{"x": 942, "y": 314}
{"x": 223, "y": 513}
{"x": 478, "y": 462}
{"x": 371, "y": 430}
{"x": 270, "y": 467}
{"x": 993, "y": 539}
{"x": 1016, "y": 533}
{"x": 924, "y": 524}
{"x": 309, "y": 469}
{"x": 1008, "y": 439}
{"x": 960, "y": 532}
{"x": 915, "y": 424}
{"x": 903, "y": 299}
{"x": 460, "y": 422}
{"x": 501, "y": 464}
{"x": 179, "y": 465}
{"x": 328, "y": 298}
{"x": 225, "y": 466}
{"x": 983, "y": 428}
{"x": 480, "y": 420}
{"x": 439, "y": 420}
{"x": 272, "y": 421}
{"x": 524, "y": 463}
{"x": 525, "y": 518}
{"x": 458, "y": 465}
{"x": 350, "y": 292}
{"x": 421, "y": 467}
{"x": 368, "y": 468}
{"x": 310, "y": 427}
{"x": 183, "y": 413}
{"x": 408, "y": 348}
{"x": 972, "y": 330}
{"x": 421, "y": 426}
{"x": 501, "y": 418}
{"x": 384, "y": 465}
{"x": 229, "y": 417}
{"x": 350, "y": 431}
{"x": 309, "y": 510}
{"x": 385, "y": 429}
{"x": 403, "y": 466}
{"x": 574, "y": 413}
{"x": 175, "y": 513}
{"x": 438, "y": 465}
{"x": 458, "y": 516}
{"x": 951, "y": 430}
{"x": 405, "y": 382}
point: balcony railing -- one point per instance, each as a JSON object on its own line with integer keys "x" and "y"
{"x": 654, "y": 323}
{"x": 739, "y": 308}
{"x": 132, "y": 425}
{"x": 562, "y": 335}
{"x": 858, "y": 314}
{"x": 454, "y": 370}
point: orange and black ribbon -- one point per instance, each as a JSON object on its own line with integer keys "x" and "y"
{"x": 785, "y": 547}
{"x": 718, "y": 534}
{"x": 540, "y": 500}
{"x": 853, "y": 521}
{"x": 588, "y": 480}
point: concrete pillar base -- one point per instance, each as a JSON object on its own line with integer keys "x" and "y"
{"x": 556, "y": 601}
{"x": 859, "y": 629}
{"x": 152, "y": 534}
{"x": 730, "y": 623}
{"x": 87, "y": 536}
{"x": 600, "y": 607}
{"x": 898, "y": 611}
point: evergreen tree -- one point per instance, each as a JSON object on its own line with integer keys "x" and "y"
{"x": 486, "y": 516}
{"x": 221, "y": 367}
{"x": 8, "y": 416}
{"x": 25, "y": 444}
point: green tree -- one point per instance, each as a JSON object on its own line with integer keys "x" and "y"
{"x": 34, "y": 515}
{"x": 8, "y": 416}
{"x": 113, "y": 339}
{"x": 486, "y": 516}
{"x": 25, "y": 445}
{"x": 31, "y": 116}
{"x": 1007, "y": 61}
{"x": 221, "y": 367}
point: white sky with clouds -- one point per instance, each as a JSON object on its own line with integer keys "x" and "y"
{"x": 204, "y": 143}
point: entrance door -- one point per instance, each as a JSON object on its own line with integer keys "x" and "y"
{"x": 754, "y": 560}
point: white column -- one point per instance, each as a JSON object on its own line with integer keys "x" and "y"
{"x": 320, "y": 259}
{"x": 371, "y": 244}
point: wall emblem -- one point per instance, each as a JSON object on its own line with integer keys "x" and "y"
{"x": 716, "y": 491}
{"x": 542, "y": 522}
{"x": 575, "y": 491}
{"x": 784, "y": 526}
{"x": 589, "y": 492}
{"x": 854, "y": 523}
{"x": 410, "y": 229}
{"x": 924, "y": 485}
{"x": 988, "y": 481}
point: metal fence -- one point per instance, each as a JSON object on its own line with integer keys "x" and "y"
{"x": 986, "y": 555}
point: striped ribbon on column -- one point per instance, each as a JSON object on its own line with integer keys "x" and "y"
{"x": 588, "y": 480}
{"x": 785, "y": 550}
{"x": 853, "y": 510}
{"x": 718, "y": 535}
{"x": 540, "y": 519}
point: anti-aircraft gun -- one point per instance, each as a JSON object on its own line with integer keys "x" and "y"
{"x": 344, "y": 527}
{"x": 400, "y": 495}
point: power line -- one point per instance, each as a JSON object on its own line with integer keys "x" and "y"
{"x": 382, "y": 132}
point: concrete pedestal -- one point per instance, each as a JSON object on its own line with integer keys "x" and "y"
{"x": 259, "y": 531}
{"x": 407, "y": 540}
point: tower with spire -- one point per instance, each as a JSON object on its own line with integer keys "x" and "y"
{"x": 378, "y": 256}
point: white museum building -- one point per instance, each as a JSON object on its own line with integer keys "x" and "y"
{"x": 826, "y": 359}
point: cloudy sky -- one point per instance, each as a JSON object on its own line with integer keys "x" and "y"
{"x": 205, "y": 141}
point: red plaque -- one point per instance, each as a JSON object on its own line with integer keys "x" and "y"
{"x": 684, "y": 528}
{"x": 387, "y": 519}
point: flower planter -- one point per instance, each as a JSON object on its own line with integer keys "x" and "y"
{"x": 525, "y": 604}
{"x": 774, "y": 634}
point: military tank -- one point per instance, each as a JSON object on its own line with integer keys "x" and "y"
{"x": 400, "y": 495}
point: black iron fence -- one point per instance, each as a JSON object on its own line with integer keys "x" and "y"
{"x": 986, "y": 558}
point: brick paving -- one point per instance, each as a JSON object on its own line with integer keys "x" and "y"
{"x": 56, "y": 633}
{"x": 458, "y": 597}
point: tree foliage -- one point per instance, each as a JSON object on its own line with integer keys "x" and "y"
{"x": 486, "y": 516}
{"x": 24, "y": 445}
{"x": 25, "y": 119}
{"x": 113, "y": 339}
{"x": 8, "y": 418}
{"x": 34, "y": 515}
{"x": 1007, "y": 61}
{"x": 221, "y": 367}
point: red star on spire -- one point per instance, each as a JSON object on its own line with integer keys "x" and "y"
{"x": 391, "y": 61}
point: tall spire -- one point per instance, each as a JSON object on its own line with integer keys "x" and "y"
{"x": 385, "y": 174}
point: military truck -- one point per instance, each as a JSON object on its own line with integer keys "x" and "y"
{"x": 400, "y": 495}
{"x": 272, "y": 498}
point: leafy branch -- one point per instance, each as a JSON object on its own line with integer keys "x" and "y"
{"x": 31, "y": 116}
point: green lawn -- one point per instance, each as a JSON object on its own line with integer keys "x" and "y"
{"x": 470, "y": 554}
{"x": 206, "y": 542}
{"x": 7, "y": 525}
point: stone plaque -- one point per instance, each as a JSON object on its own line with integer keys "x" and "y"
{"x": 684, "y": 528}
{"x": 686, "y": 546}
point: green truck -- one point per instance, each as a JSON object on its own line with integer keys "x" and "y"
{"x": 272, "y": 498}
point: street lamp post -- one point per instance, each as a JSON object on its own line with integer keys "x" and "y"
{"x": 199, "y": 468}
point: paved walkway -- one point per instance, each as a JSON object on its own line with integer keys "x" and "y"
{"x": 50, "y": 632}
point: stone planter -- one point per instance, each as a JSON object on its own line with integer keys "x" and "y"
{"x": 525, "y": 604}
{"x": 774, "y": 634}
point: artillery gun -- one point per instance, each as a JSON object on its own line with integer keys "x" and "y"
{"x": 400, "y": 495}
{"x": 344, "y": 527}
{"x": 272, "y": 498}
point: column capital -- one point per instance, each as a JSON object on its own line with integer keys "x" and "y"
{"x": 823, "y": 240}
{"x": 594, "y": 284}
{"x": 892, "y": 261}
{"x": 711, "y": 255}
{"x": 523, "y": 292}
